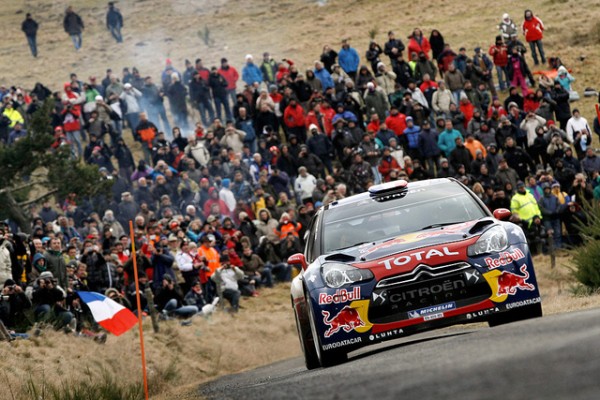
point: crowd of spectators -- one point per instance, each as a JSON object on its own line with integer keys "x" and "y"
{"x": 219, "y": 205}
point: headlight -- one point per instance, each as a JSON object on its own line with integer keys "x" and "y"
{"x": 493, "y": 240}
{"x": 337, "y": 275}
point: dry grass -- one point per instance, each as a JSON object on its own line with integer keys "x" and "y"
{"x": 181, "y": 357}
{"x": 178, "y": 357}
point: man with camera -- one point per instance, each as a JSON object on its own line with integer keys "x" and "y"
{"x": 169, "y": 300}
{"x": 13, "y": 304}
{"x": 226, "y": 277}
{"x": 49, "y": 302}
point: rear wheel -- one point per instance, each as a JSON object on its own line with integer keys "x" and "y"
{"x": 311, "y": 359}
{"x": 326, "y": 358}
{"x": 520, "y": 314}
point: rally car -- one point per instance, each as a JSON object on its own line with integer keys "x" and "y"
{"x": 403, "y": 258}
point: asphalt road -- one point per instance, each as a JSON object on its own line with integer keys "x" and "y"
{"x": 555, "y": 357}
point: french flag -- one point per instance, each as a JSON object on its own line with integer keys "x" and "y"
{"x": 111, "y": 315}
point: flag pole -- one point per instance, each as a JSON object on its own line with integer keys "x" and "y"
{"x": 139, "y": 308}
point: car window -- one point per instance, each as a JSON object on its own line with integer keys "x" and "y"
{"x": 370, "y": 220}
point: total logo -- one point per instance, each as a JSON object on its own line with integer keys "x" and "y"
{"x": 417, "y": 256}
{"x": 340, "y": 296}
{"x": 504, "y": 259}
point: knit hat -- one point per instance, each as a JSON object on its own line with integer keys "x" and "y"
{"x": 226, "y": 182}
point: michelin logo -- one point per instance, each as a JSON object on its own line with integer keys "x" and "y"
{"x": 440, "y": 308}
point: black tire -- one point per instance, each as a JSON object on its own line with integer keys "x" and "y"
{"x": 520, "y": 314}
{"x": 326, "y": 358}
{"x": 311, "y": 358}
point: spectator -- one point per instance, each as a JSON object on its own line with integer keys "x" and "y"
{"x": 524, "y": 205}
{"x": 418, "y": 43}
{"x": 30, "y": 28}
{"x": 251, "y": 74}
{"x": 114, "y": 22}
{"x": 73, "y": 25}
{"x": 533, "y": 29}
{"x": 226, "y": 278}
{"x": 348, "y": 59}
{"x": 169, "y": 300}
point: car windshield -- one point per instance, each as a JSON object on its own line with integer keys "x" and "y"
{"x": 424, "y": 207}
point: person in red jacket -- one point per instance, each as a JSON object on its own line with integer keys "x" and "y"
{"x": 467, "y": 108}
{"x": 213, "y": 198}
{"x": 70, "y": 121}
{"x": 388, "y": 166}
{"x": 533, "y": 29}
{"x": 418, "y": 43}
{"x": 396, "y": 121}
{"x": 293, "y": 118}
{"x": 231, "y": 76}
{"x": 499, "y": 53}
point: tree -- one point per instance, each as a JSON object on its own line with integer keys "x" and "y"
{"x": 30, "y": 171}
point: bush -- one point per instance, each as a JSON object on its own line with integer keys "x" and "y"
{"x": 586, "y": 257}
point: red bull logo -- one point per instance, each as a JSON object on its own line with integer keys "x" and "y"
{"x": 340, "y": 296}
{"x": 509, "y": 282}
{"x": 347, "y": 319}
{"x": 504, "y": 259}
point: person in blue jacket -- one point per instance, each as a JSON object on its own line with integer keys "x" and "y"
{"x": 323, "y": 75}
{"x": 348, "y": 59}
{"x": 447, "y": 139}
{"x": 251, "y": 73}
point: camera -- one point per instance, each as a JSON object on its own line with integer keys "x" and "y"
{"x": 5, "y": 298}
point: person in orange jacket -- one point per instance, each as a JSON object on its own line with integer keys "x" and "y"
{"x": 473, "y": 145}
{"x": 287, "y": 226}
{"x": 209, "y": 257}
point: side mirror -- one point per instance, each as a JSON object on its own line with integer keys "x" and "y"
{"x": 502, "y": 214}
{"x": 297, "y": 260}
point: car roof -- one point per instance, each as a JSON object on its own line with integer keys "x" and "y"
{"x": 359, "y": 198}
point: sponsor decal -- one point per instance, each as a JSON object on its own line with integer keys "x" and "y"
{"x": 387, "y": 334}
{"x": 509, "y": 282}
{"x": 422, "y": 255}
{"x": 312, "y": 278}
{"x": 523, "y": 303}
{"x": 340, "y": 296}
{"x": 343, "y": 343}
{"x": 472, "y": 275}
{"x": 347, "y": 319}
{"x": 433, "y": 316}
{"x": 416, "y": 294}
{"x": 432, "y": 310}
{"x": 482, "y": 313}
{"x": 504, "y": 258}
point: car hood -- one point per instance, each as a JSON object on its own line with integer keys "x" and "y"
{"x": 430, "y": 237}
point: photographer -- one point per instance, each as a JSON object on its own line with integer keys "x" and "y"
{"x": 101, "y": 275}
{"x": 581, "y": 191}
{"x": 49, "y": 302}
{"x": 226, "y": 277}
{"x": 169, "y": 300}
{"x": 162, "y": 262}
{"x": 13, "y": 304}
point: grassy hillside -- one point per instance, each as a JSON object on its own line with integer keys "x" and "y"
{"x": 296, "y": 29}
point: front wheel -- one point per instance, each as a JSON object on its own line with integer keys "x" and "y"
{"x": 520, "y": 314}
{"x": 311, "y": 358}
{"x": 326, "y": 358}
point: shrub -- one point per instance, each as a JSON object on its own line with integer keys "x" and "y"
{"x": 585, "y": 257}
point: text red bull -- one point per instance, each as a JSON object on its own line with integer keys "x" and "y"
{"x": 509, "y": 282}
{"x": 347, "y": 319}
